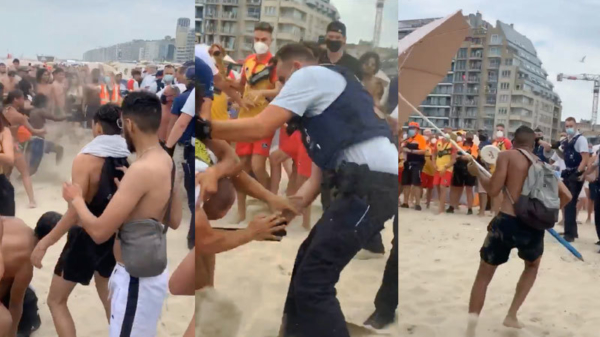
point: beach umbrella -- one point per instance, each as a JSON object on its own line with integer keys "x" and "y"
{"x": 424, "y": 58}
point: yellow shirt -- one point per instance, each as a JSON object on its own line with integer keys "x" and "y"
{"x": 251, "y": 68}
{"x": 443, "y": 156}
{"x": 428, "y": 169}
{"x": 218, "y": 110}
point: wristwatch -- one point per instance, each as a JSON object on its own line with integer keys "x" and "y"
{"x": 203, "y": 129}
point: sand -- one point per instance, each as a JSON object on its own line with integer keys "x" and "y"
{"x": 84, "y": 304}
{"x": 439, "y": 257}
{"x": 256, "y": 276}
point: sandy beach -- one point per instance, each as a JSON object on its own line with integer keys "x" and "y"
{"x": 438, "y": 262}
{"x": 256, "y": 276}
{"x": 84, "y": 304}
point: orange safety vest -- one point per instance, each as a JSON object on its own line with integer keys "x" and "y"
{"x": 104, "y": 97}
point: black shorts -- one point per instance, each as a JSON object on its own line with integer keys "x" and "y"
{"x": 461, "y": 178}
{"x": 7, "y": 197}
{"x": 81, "y": 257}
{"x": 506, "y": 232}
{"x": 411, "y": 175}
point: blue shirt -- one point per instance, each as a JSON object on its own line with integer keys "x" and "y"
{"x": 205, "y": 77}
{"x": 178, "y": 104}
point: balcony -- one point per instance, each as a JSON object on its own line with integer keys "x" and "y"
{"x": 289, "y": 36}
{"x": 252, "y": 16}
{"x": 471, "y": 102}
{"x": 461, "y": 56}
{"x": 228, "y": 31}
{"x": 211, "y": 14}
{"x": 494, "y": 65}
{"x": 473, "y": 91}
{"x": 229, "y": 16}
{"x": 289, "y": 19}
{"x": 230, "y": 2}
{"x": 473, "y": 79}
{"x": 490, "y": 101}
{"x": 476, "y": 55}
{"x": 493, "y": 79}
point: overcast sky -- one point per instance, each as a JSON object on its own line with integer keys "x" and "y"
{"x": 562, "y": 31}
{"x": 359, "y": 18}
{"x": 68, "y": 28}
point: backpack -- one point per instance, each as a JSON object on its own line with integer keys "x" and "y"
{"x": 538, "y": 204}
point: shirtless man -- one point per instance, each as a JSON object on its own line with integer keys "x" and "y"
{"x": 506, "y": 231}
{"x": 59, "y": 88}
{"x": 135, "y": 201}
{"x": 16, "y": 270}
{"x": 91, "y": 97}
{"x": 38, "y": 145}
{"x": 44, "y": 87}
{"x": 10, "y": 81}
{"x": 95, "y": 169}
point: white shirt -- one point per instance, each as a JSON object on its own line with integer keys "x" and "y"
{"x": 189, "y": 108}
{"x": 202, "y": 53}
{"x": 181, "y": 87}
{"x": 310, "y": 91}
{"x": 149, "y": 84}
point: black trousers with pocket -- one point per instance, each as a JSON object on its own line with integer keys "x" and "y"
{"x": 386, "y": 301}
{"x": 361, "y": 203}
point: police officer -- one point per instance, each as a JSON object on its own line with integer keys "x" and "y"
{"x": 576, "y": 156}
{"x": 349, "y": 143}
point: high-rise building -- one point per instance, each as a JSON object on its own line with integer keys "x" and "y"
{"x": 199, "y": 15}
{"x": 231, "y": 22}
{"x": 495, "y": 78}
{"x": 184, "y": 41}
{"x": 136, "y": 50}
{"x": 294, "y": 21}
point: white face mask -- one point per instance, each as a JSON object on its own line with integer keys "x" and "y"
{"x": 459, "y": 139}
{"x": 433, "y": 141}
{"x": 499, "y": 134}
{"x": 261, "y": 48}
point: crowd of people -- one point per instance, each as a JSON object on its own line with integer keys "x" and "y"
{"x": 115, "y": 223}
{"x": 321, "y": 116}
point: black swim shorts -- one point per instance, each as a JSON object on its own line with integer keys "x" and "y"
{"x": 506, "y": 232}
{"x": 81, "y": 257}
{"x": 411, "y": 175}
{"x": 7, "y": 197}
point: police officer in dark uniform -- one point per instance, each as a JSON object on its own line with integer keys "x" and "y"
{"x": 354, "y": 148}
{"x": 576, "y": 156}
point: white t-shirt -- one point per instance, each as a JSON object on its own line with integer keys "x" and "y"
{"x": 202, "y": 53}
{"x": 149, "y": 84}
{"x": 558, "y": 162}
{"x": 189, "y": 108}
{"x": 310, "y": 91}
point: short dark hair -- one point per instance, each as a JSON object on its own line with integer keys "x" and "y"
{"x": 264, "y": 27}
{"x": 571, "y": 119}
{"x": 524, "y": 136}
{"x": 13, "y": 95}
{"x": 58, "y": 71}
{"x": 16, "y": 60}
{"x": 136, "y": 72}
{"x": 108, "y": 116}
{"x": 46, "y": 224}
{"x": 314, "y": 48}
{"x": 40, "y": 101}
{"x": 144, "y": 109}
{"x": 296, "y": 51}
{"x": 500, "y": 124}
{"x": 371, "y": 55}
{"x": 40, "y": 72}
{"x": 169, "y": 66}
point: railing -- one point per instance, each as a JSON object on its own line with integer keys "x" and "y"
{"x": 490, "y": 102}
{"x": 494, "y": 65}
{"x": 471, "y": 102}
{"x": 473, "y": 79}
{"x": 253, "y": 16}
{"x": 229, "y": 15}
{"x": 473, "y": 91}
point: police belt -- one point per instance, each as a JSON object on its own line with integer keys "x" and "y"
{"x": 354, "y": 179}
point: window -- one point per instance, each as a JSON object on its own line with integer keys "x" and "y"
{"x": 504, "y": 86}
{"x": 270, "y": 11}
{"x": 496, "y": 39}
{"x": 253, "y": 12}
{"x": 502, "y": 111}
{"x": 495, "y": 51}
{"x": 508, "y": 62}
{"x": 504, "y": 98}
{"x": 506, "y": 73}
{"x": 462, "y": 53}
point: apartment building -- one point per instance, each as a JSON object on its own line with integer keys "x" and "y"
{"x": 184, "y": 41}
{"x": 199, "y": 6}
{"x": 136, "y": 50}
{"x": 231, "y": 22}
{"x": 496, "y": 77}
{"x": 295, "y": 20}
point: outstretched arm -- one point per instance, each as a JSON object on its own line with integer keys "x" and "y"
{"x": 252, "y": 129}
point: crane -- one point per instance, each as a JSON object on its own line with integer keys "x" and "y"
{"x": 378, "y": 19}
{"x": 589, "y": 78}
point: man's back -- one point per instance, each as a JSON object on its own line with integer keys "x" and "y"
{"x": 17, "y": 244}
{"x": 514, "y": 177}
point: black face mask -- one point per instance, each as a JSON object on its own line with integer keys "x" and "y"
{"x": 333, "y": 46}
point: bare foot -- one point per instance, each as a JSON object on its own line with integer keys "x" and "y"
{"x": 241, "y": 217}
{"x": 472, "y": 325}
{"x": 32, "y": 204}
{"x": 512, "y": 322}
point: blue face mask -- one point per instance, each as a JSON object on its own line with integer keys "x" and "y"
{"x": 412, "y": 132}
{"x": 570, "y": 131}
{"x": 168, "y": 78}
{"x": 106, "y": 79}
